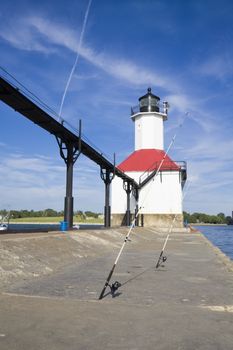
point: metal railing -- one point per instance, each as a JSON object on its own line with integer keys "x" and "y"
{"x": 30, "y": 95}
{"x": 180, "y": 166}
{"x": 162, "y": 108}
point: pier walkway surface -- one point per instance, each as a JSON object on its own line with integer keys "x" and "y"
{"x": 50, "y": 283}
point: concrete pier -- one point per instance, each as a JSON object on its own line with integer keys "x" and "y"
{"x": 50, "y": 285}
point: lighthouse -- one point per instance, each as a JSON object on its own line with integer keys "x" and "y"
{"x": 160, "y": 179}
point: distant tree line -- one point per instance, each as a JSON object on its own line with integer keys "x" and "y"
{"x": 195, "y": 218}
{"x": 198, "y": 218}
{"x": 17, "y": 214}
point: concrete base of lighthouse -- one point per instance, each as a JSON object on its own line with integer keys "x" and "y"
{"x": 120, "y": 219}
{"x": 155, "y": 220}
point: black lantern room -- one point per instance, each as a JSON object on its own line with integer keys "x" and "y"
{"x": 149, "y": 102}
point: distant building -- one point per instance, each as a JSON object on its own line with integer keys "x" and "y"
{"x": 160, "y": 197}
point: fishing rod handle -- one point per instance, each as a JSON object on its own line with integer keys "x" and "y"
{"x": 107, "y": 282}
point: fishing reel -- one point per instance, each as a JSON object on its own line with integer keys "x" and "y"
{"x": 164, "y": 259}
{"x": 114, "y": 286}
{"x": 161, "y": 261}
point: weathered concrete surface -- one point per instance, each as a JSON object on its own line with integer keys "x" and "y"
{"x": 151, "y": 220}
{"x": 187, "y": 304}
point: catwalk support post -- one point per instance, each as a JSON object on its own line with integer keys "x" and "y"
{"x": 127, "y": 185}
{"x": 107, "y": 176}
{"x": 136, "y": 196}
{"x": 69, "y": 153}
{"x": 69, "y": 200}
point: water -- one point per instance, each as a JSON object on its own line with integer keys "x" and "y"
{"x": 220, "y": 236}
{"x": 48, "y": 227}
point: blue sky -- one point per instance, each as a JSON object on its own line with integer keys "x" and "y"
{"x": 182, "y": 49}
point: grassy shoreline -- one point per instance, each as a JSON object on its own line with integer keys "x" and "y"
{"x": 54, "y": 220}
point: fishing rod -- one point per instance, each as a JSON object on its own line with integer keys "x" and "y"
{"x": 114, "y": 286}
{"x": 162, "y": 258}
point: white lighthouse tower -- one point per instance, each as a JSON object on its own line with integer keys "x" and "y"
{"x": 160, "y": 197}
{"x": 149, "y": 123}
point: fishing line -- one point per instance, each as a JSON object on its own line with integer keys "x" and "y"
{"x": 149, "y": 268}
{"x": 131, "y": 279}
{"x": 77, "y": 57}
{"x": 163, "y": 258}
{"x": 163, "y": 159}
{"x": 114, "y": 286}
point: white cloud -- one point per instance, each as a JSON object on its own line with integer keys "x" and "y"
{"x": 119, "y": 68}
{"x": 39, "y": 34}
{"x": 209, "y": 172}
{"x": 39, "y": 182}
{"x": 191, "y": 107}
{"x": 24, "y": 38}
{"x": 208, "y": 153}
{"x": 48, "y": 34}
{"x": 32, "y": 164}
{"x": 219, "y": 67}
{"x": 211, "y": 147}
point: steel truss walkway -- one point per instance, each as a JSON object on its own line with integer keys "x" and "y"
{"x": 70, "y": 145}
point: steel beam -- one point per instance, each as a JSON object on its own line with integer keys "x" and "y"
{"x": 127, "y": 185}
{"x": 70, "y": 153}
{"x": 136, "y": 196}
{"x": 69, "y": 200}
{"x": 107, "y": 208}
{"x": 19, "y": 98}
{"x": 107, "y": 176}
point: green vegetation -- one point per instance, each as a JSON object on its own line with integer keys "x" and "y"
{"x": 56, "y": 219}
{"x": 201, "y": 218}
{"x": 51, "y": 216}
{"x": 42, "y": 219}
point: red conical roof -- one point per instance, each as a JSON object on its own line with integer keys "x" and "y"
{"x": 147, "y": 160}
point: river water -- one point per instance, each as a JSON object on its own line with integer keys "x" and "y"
{"x": 47, "y": 227}
{"x": 220, "y": 236}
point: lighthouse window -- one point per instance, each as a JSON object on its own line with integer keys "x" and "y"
{"x": 144, "y": 103}
{"x": 154, "y": 102}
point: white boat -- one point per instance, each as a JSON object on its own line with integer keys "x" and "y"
{"x": 4, "y": 222}
{"x": 3, "y": 227}
{"x": 76, "y": 227}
